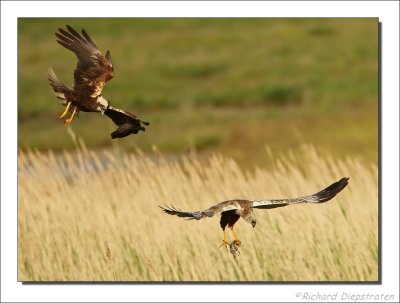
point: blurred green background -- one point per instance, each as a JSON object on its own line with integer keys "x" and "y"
{"x": 232, "y": 86}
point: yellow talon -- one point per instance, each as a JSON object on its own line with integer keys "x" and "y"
{"x": 68, "y": 121}
{"x": 66, "y": 110}
{"x": 237, "y": 241}
{"x": 225, "y": 242}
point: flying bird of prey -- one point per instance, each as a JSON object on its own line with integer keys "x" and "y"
{"x": 232, "y": 210}
{"x": 92, "y": 72}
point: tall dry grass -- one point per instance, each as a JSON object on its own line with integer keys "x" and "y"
{"x": 93, "y": 216}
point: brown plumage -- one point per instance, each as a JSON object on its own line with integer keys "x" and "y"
{"x": 232, "y": 210}
{"x": 92, "y": 72}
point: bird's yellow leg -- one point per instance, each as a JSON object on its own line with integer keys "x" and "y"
{"x": 224, "y": 242}
{"x": 237, "y": 241}
{"x": 68, "y": 121}
{"x": 66, "y": 110}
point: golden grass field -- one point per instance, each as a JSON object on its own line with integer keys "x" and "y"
{"x": 71, "y": 204}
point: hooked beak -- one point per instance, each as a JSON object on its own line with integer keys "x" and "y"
{"x": 254, "y": 224}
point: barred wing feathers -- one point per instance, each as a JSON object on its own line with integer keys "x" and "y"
{"x": 319, "y": 197}
{"x": 93, "y": 69}
{"x": 189, "y": 215}
{"x": 218, "y": 208}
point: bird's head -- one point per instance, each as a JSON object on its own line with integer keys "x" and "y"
{"x": 251, "y": 218}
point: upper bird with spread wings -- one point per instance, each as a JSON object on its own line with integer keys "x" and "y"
{"x": 232, "y": 210}
{"x": 92, "y": 72}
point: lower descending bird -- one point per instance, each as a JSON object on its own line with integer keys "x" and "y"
{"x": 92, "y": 72}
{"x": 232, "y": 210}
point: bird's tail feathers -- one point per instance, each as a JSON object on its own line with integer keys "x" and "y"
{"x": 58, "y": 87}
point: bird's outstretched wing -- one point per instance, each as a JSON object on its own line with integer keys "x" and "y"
{"x": 128, "y": 123}
{"x": 218, "y": 208}
{"x": 189, "y": 215}
{"x": 93, "y": 69}
{"x": 320, "y": 197}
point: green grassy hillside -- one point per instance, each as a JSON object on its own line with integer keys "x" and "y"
{"x": 230, "y": 85}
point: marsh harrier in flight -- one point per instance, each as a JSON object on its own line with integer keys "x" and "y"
{"x": 92, "y": 72}
{"x": 232, "y": 210}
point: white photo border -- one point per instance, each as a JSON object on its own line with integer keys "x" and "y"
{"x": 13, "y": 291}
